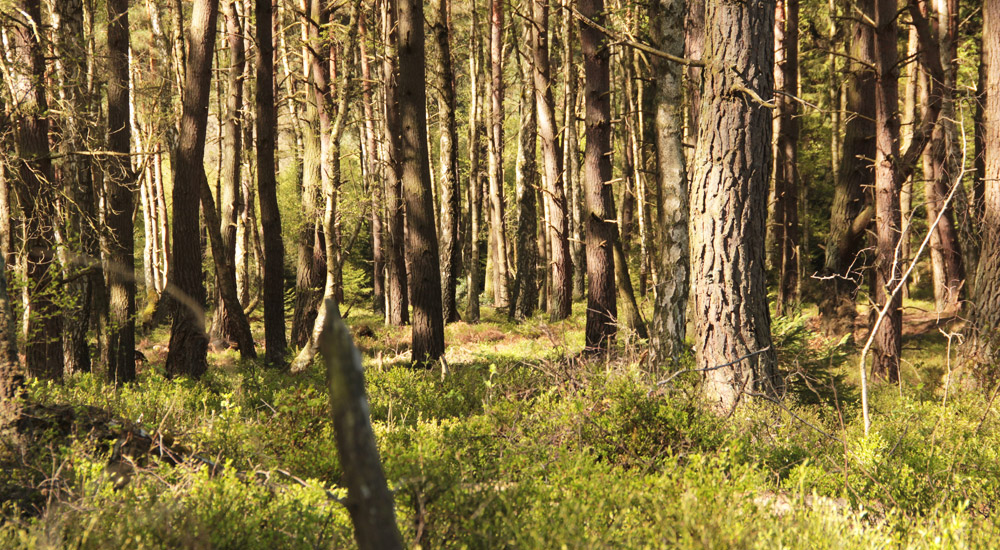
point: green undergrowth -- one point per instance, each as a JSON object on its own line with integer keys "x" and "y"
{"x": 521, "y": 444}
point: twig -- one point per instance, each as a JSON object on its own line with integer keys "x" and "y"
{"x": 717, "y": 367}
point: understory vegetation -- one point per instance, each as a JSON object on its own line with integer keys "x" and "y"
{"x": 522, "y": 443}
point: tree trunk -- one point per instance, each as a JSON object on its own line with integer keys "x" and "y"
{"x": 270, "y": 217}
{"x": 451, "y": 251}
{"x": 786, "y": 128}
{"x": 44, "y": 354}
{"x": 941, "y": 167}
{"x": 552, "y": 157}
{"x": 524, "y": 291}
{"x": 986, "y": 317}
{"x": 851, "y": 211}
{"x": 374, "y": 172}
{"x": 121, "y": 244}
{"x": 669, "y": 315}
{"x": 330, "y": 304}
{"x": 398, "y": 291}
{"x": 311, "y": 265}
{"x": 188, "y": 341}
{"x": 571, "y": 156}
{"x": 10, "y": 368}
{"x": 728, "y": 205}
{"x": 498, "y": 225}
{"x": 422, "y": 246}
{"x": 224, "y": 324}
{"x": 476, "y": 102}
{"x": 887, "y": 212}
{"x": 602, "y": 307}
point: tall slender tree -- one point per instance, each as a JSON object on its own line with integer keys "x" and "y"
{"x": 267, "y": 189}
{"x": 498, "y": 225}
{"x": 552, "y": 158}
{"x": 602, "y": 307}
{"x": 34, "y": 186}
{"x": 422, "y": 245}
{"x": 396, "y": 280}
{"x": 666, "y": 19}
{"x": 786, "y": 232}
{"x": 524, "y": 291}
{"x": 188, "y": 340}
{"x": 121, "y": 205}
{"x": 451, "y": 251}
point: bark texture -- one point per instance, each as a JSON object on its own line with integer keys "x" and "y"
{"x": 121, "y": 205}
{"x": 987, "y": 288}
{"x": 498, "y": 225}
{"x": 728, "y": 204}
{"x": 602, "y": 306}
{"x": 275, "y": 341}
{"x": 669, "y": 315}
{"x": 396, "y": 282}
{"x": 34, "y": 190}
{"x": 524, "y": 291}
{"x": 786, "y": 232}
{"x": 188, "y": 340}
{"x": 422, "y": 245}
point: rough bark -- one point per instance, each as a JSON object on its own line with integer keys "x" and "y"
{"x": 941, "y": 167}
{"x": 373, "y": 170}
{"x": 396, "y": 280}
{"x": 728, "y": 204}
{"x": 786, "y": 128}
{"x": 571, "y": 155}
{"x": 44, "y": 354}
{"x": 475, "y": 169}
{"x": 451, "y": 251}
{"x": 188, "y": 340}
{"x": 231, "y": 202}
{"x": 987, "y": 288}
{"x": 602, "y": 307}
{"x": 422, "y": 245}
{"x": 669, "y": 315}
{"x": 851, "y": 211}
{"x": 888, "y": 221}
{"x": 274, "y": 249}
{"x": 121, "y": 240}
{"x": 342, "y": 65}
{"x": 524, "y": 291}
{"x": 552, "y": 157}
{"x": 10, "y": 368}
{"x": 498, "y": 225}
{"x": 311, "y": 264}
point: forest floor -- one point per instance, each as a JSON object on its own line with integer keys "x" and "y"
{"x": 522, "y": 444}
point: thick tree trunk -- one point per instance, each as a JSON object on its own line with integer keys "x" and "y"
{"x": 44, "y": 353}
{"x": 498, "y": 225}
{"x": 851, "y": 211}
{"x": 396, "y": 280}
{"x": 524, "y": 291}
{"x": 669, "y": 315}
{"x": 188, "y": 341}
{"x": 121, "y": 243}
{"x": 552, "y": 157}
{"x": 786, "y": 128}
{"x": 422, "y": 246}
{"x": 270, "y": 217}
{"x": 728, "y": 204}
{"x": 987, "y": 287}
{"x": 224, "y": 324}
{"x": 602, "y": 307}
{"x": 451, "y": 251}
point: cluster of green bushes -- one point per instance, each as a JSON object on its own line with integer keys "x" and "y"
{"x": 506, "y": 451}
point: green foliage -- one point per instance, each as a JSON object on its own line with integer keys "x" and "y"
{"x": 520, "y": 445}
